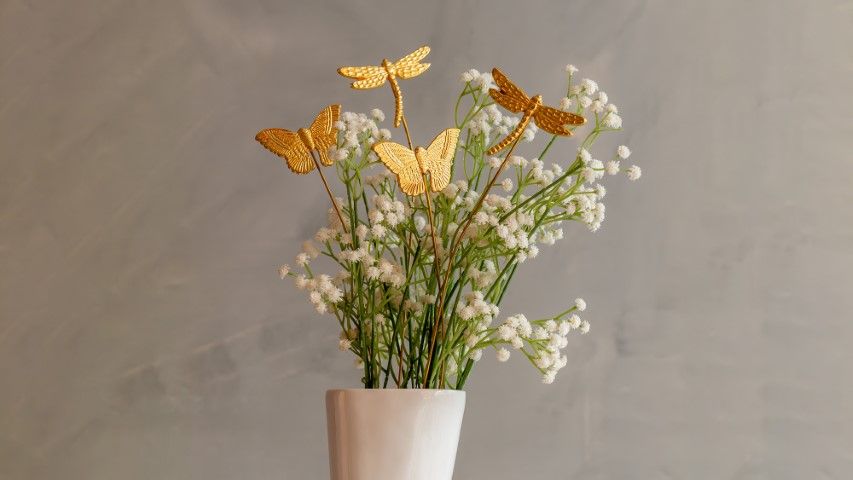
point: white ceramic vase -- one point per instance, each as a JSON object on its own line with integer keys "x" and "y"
{"x": 394, "y": 434}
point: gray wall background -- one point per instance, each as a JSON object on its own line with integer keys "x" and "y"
{"x": 144, "y": 333}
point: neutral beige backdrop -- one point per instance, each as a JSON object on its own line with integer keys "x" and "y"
{"x": 144, "y": 333}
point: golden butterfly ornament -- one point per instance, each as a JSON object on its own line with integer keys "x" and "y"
{"x": 513, "y": 98}
{"x": 297, "y": 148}
{"x": 412, "y": 166}
{"x": 375, "y": 76}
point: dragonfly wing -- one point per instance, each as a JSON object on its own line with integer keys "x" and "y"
{"x": 440, "y": 155}
{"x": 360, "y": 73}
{"x": 324, "y": 133}
{"x": 508, "y": 95}
{"x": 366, "y": 77}
{"x": 413, "y": 70}
{"x": 513, "y": 104}
{"x": 556, "y": 121}
{"x": 413, "y": 58}
{"x": 371, "y": 82}
{"x": 402, "y": 162}
{"x": 289, "y": 146}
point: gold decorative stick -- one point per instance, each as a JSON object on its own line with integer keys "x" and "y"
{"x": 412, "y": 166}
{"x": 514, "y": 99}
{"x": 375, "y": 76}
{"x": 297, "y": 148}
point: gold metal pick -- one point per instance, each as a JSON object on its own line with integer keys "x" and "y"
{"x": 375, "y": 76}
{"x": 297, "y": 148}
{"x": 512, "y": 98}
{"x": 412, "y": 167}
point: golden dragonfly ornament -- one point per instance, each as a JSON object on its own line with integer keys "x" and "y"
{"x": 297, "y": 148}
{"x": 412, "y": 166}
{"x": 512, "y": 98}
{"x": 376, "y": 76}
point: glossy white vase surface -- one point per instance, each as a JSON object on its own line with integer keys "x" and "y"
{"x": 406, "y": 434}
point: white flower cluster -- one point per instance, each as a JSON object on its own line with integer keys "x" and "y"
{"x": 490, "y": 120}
{"x": 458, "y": 194}
{"x": 385, "y": 216}
{"x": 322, "y": 291}
{"x": 377, "y": 269}
{"x": 544, "y": 340}
{"x": 359, "y": 131}
{"x": 516, "y": 234}
{"x": 478, "y": 315}
{"x": 479, "y": 81}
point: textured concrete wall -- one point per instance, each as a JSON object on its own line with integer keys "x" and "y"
{"x": 144, "y": 333}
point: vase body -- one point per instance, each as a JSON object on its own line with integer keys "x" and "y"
{"x": 405, "y": 434}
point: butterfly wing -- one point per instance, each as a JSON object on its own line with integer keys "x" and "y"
{"x": 289, "y": 146}
{"x": 402, "y": 162}
{"x": 324, "y": 133}
{"x": 410, "y": 66}
{"x": 440, "y": 158}
{"x": 555, "y": 121}
{"x": 366, "y": 77}
{"x": 508, "y": 95}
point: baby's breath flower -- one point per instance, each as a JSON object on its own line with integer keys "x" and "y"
{"x": 584, "y": 327}
{"x": 623, "y": 152}
{"x": 580, "y": 304}
{"x": 420, "y": 222}
{"x": 589, "y": 86}
{"x": 283, "y": 271}
{"x": 574, "y": 321}
{"x": 502, "y": 354}
{"x": 377, "y": 115}
{"x": 634, "y": 172}
{"x": 565, "y": 103}
{"x": 571, "y": 69}
{"x": 613, "y": 120}
{"x": 378, "y": 231}
{"x": 309, "y": 249}
{"x": 303, "y": 259}
{"x": 611, "y": 167}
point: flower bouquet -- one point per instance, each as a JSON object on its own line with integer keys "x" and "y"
{"x": 423, "y": 242}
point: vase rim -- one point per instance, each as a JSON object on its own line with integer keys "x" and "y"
{"x": 442, "y": 391}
